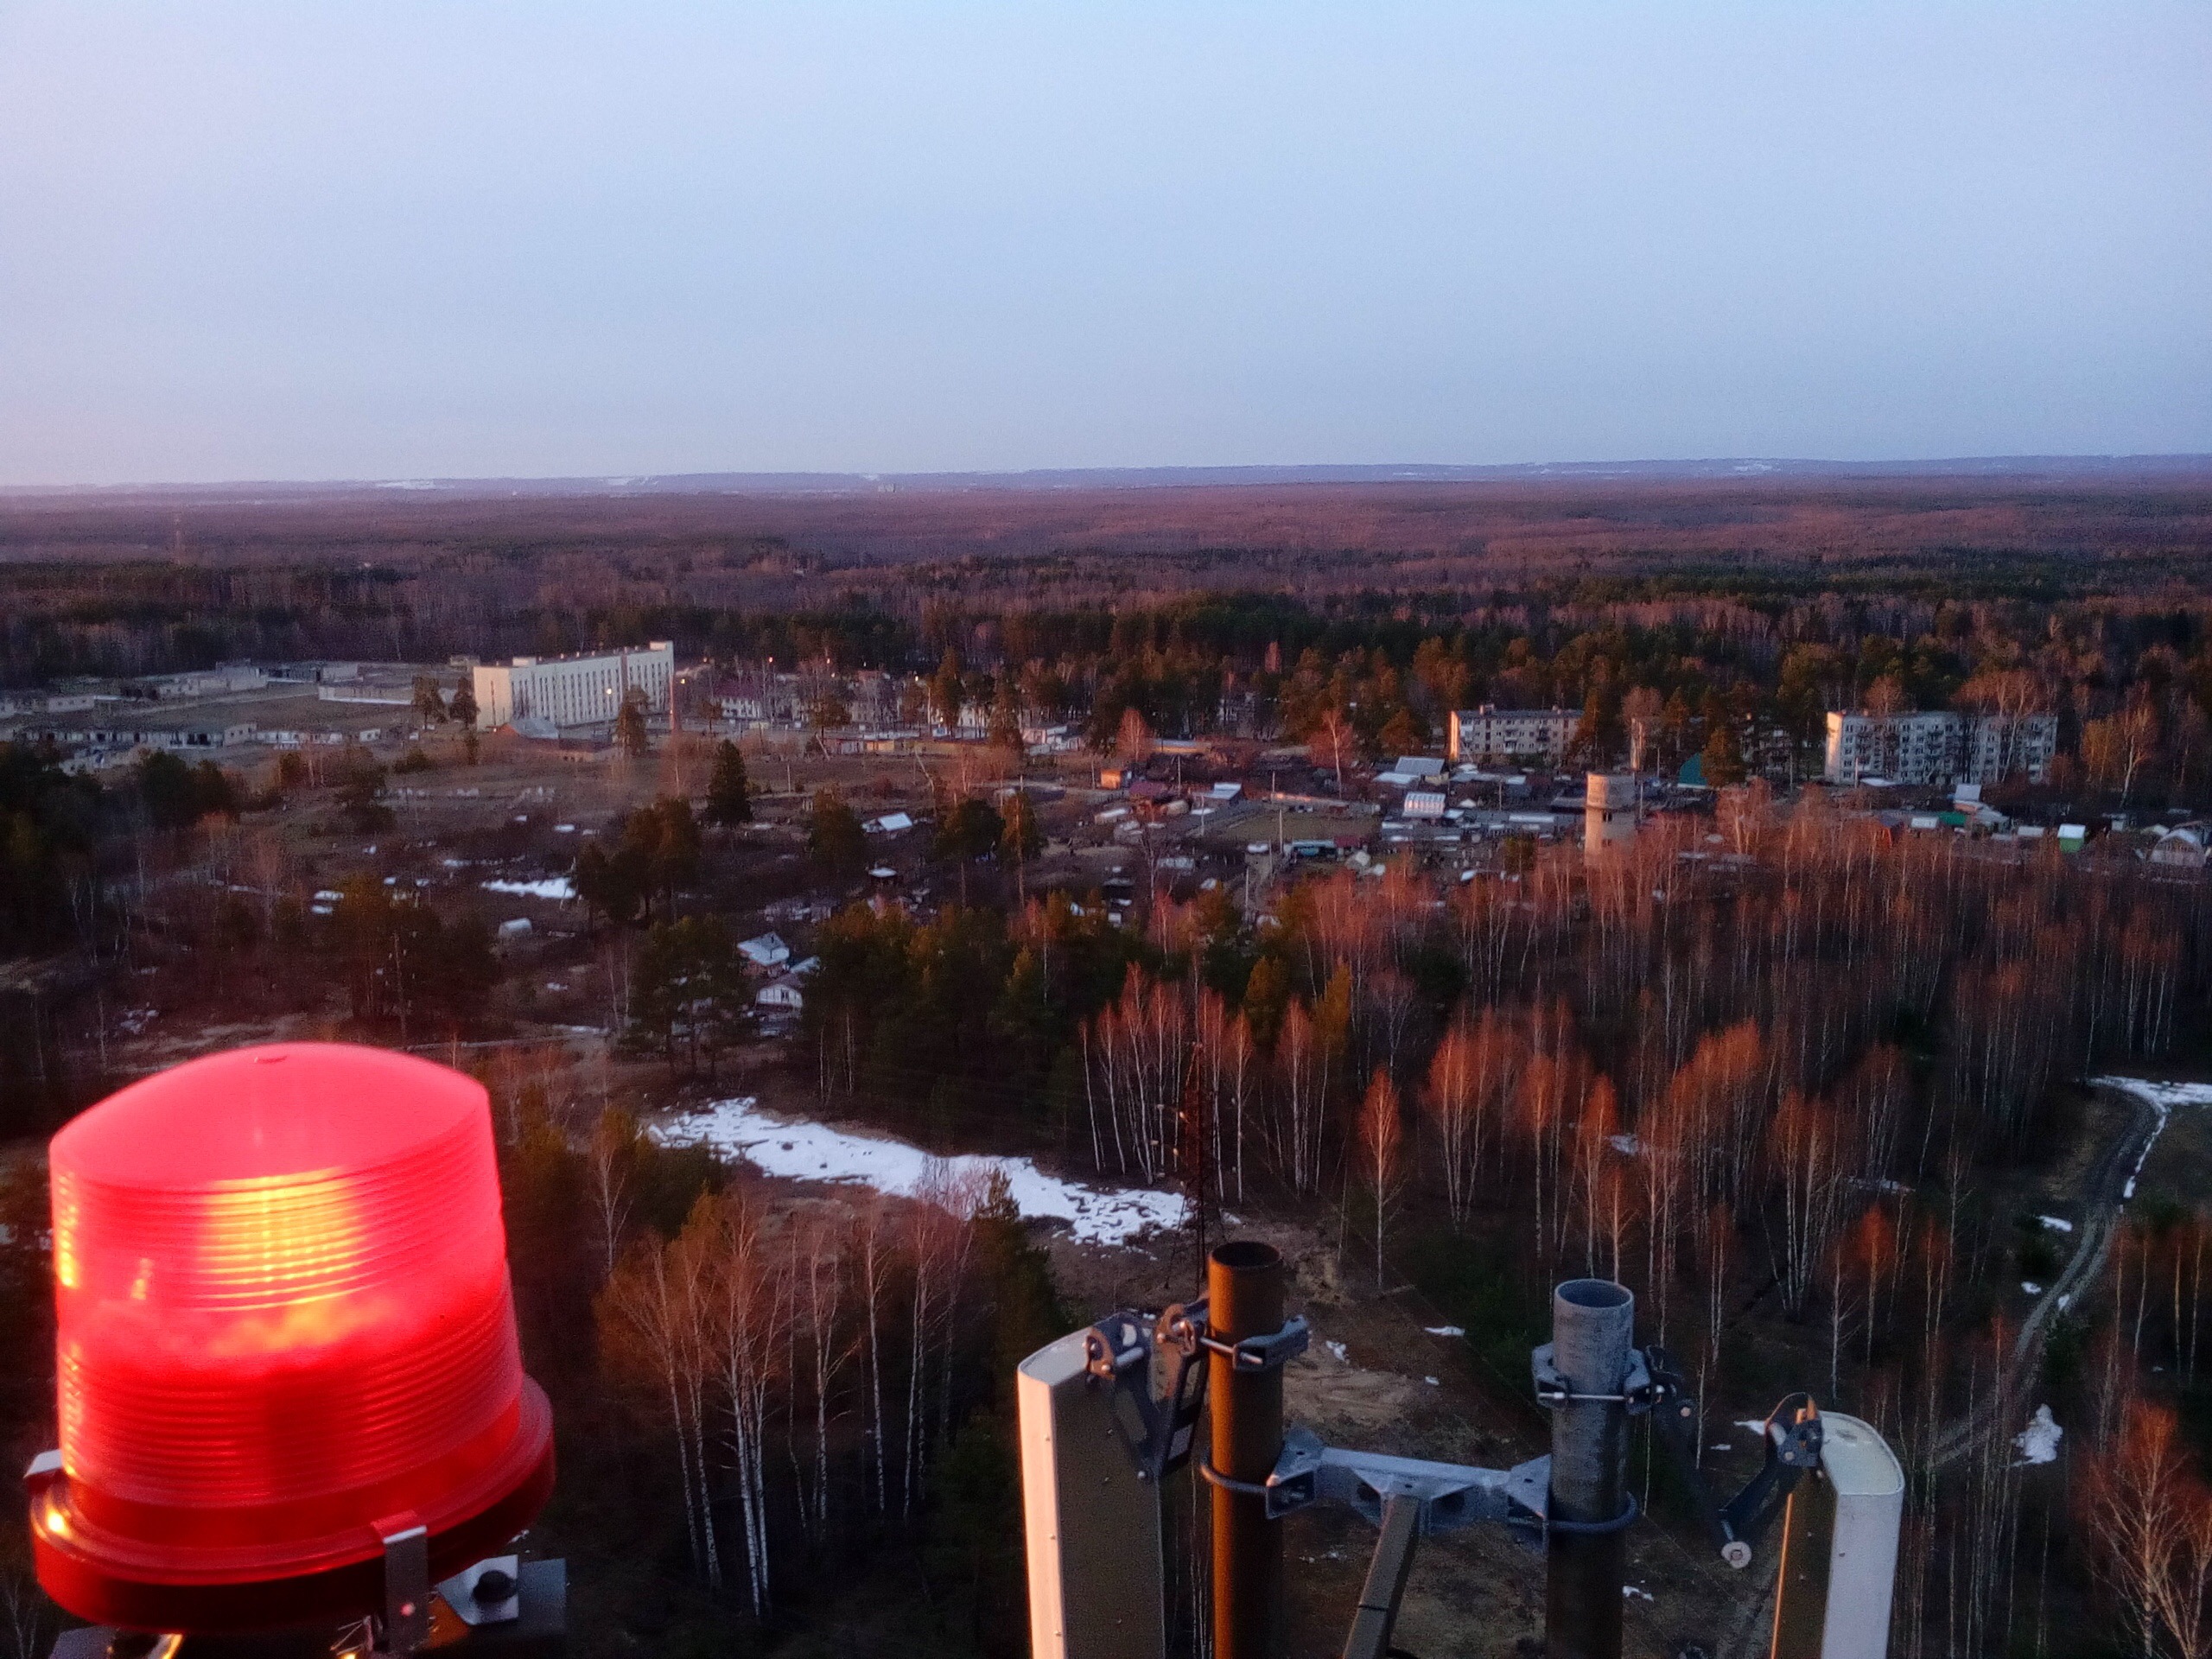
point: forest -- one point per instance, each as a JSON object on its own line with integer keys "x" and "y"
{"x": 1791, "y": 1075}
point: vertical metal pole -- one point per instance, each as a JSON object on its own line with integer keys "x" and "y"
{"x": 1244, "y": 1284}
{"x": 1592, "y": 1322}
{"x": 1800, "y": 1587}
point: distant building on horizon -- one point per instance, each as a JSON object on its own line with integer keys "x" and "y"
{"x": 570, "y": 692}
{"x": 1939, "y": 747}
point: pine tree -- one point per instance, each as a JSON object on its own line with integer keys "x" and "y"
{"x": 729, "y": 794}
{"x": 833, "y": 835}
{"x": 1723, "y": 756}
{"x": 629, "y": 724}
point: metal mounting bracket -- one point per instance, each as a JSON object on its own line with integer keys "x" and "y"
{"x": 406, "y": 1583}
{"x": 1554, "y": 1390}
{"x": 1118, "y": 1351}
{"x": 1792, "y": 1434}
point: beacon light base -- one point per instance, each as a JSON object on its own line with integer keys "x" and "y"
{"x": 536, "y": 1629}
{"x": 107, "y": 1580}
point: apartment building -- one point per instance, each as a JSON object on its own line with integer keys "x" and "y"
{"x": 1488, "y": 733}
{"x": 582, "y": 691}
{"x": 1939, "y": 747}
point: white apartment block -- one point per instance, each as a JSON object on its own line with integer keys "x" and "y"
{"x": 1939, "y": 747}
{"x": 574, "y": 690}
{"x": 1499, "y": 734}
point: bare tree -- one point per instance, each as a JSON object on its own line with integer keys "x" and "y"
{"x": 1381, "y": 1137}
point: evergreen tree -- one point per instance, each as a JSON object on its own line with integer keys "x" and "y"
{"x": 687, "y": 992}
{"x": 629, "y": 724}
{"x": 730, "y": 793}
{"x": 1021, "y": 840}
{"x": 1724, "y": 755}
{"x": 834, "y": 836}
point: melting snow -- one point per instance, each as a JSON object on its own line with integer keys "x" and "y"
{"x": 2038, "y": 1441}
{"x": 1432, "y": 1383}
{"x": 2162, "y": 1099}
{"x": 1445, "y": 1330}
{"x": 1629, "y": 1589}
{"x": 2057, "y": 1225}
{"x": 554, "y": 887}
{"x": 816, "y": 1151}
{"x": 2031, "y": 1288}
{"x": 1338, "y": 1350}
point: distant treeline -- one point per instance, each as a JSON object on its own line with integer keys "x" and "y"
{"x": 141, "y": 586}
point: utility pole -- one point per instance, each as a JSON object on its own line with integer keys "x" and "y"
{"x": 1244, "y": 1287}
{"x": 1593, "y": 1323}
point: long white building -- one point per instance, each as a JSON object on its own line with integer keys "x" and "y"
{"x": 1939, "y": 747}
{"x": 1486, "y": 733}
{"x": 574, "y": 690}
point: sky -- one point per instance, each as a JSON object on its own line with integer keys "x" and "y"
{"x": 445, "y": 238}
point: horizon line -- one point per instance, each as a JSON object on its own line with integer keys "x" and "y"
{"x": 798, "y": 481}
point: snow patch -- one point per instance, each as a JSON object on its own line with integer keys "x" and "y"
{"x": 2038, "y": 1441}
{"x": 1628, "y": 1591}
{"x": 2031, "y": 1288}
{"x": 2057, "y": 1223}
{"x": 1432, "y": 1383}
{"x": 1343, "y": 1355}
{"x": 1445, "y": 1330}
{"x": 553, "y": 887}
{"x": 816, "y": 1151}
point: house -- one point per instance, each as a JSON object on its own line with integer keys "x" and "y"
{"x": 766, "y": 950}
{"x": 788, "y": 991}
{"x": 889, "y": 824}
{"x": 1424, "y": 803}
{"x": 1419, "y": 765}
{"x": 2182, "y": 847}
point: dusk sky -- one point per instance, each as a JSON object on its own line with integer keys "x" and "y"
{"x": 324, "y": 240}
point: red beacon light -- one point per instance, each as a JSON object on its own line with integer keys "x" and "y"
{"x": 286, "y": 1337}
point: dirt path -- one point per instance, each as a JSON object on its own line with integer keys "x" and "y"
{"x": 2102, "y": 1196}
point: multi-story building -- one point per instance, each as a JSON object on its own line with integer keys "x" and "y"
{"x": 1939, "y": 747}
{"x": 573, "y": 691}
{"x": 1487, "y": 733}
{"x": 2000, "y": 745}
